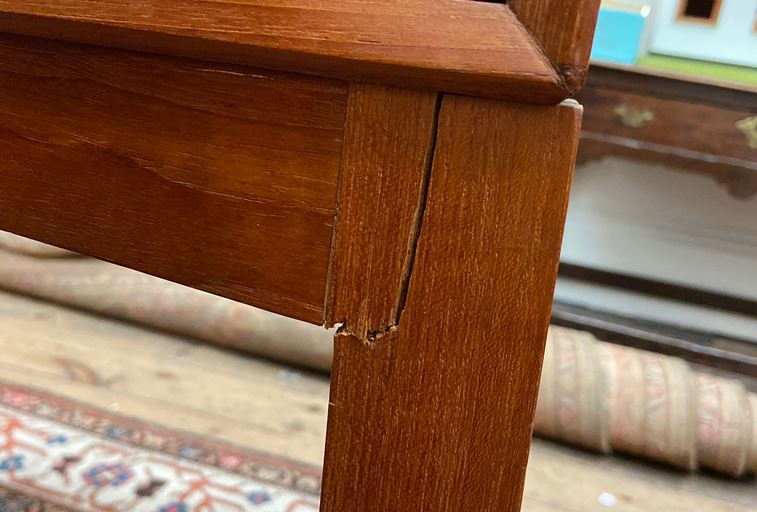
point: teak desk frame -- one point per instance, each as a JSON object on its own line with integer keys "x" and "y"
{"x": 400, "y": 168}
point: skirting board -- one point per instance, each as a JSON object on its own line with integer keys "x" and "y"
{"x": 665, "y": 311}
{"x": 662, "y": 224}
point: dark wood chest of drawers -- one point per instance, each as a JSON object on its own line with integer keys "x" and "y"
{"x": 704, "y": 127}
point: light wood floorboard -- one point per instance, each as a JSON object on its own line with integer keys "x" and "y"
{"x": 275, "y": 408}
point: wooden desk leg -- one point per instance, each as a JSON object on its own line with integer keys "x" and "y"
{"x": 436, "y": 414}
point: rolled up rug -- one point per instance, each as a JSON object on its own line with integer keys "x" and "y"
{"x": 29, "y": 247}
{"x": 572, "y": 405}
{"x": 725, "y": 423}
{"x": 122, "y": 293}
{"x": 654, "y": 406}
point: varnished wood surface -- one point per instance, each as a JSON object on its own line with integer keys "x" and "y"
{"x": 475, "y": 48}
{"x": 218, "y": 177}
{"x": 737, "y": 358}
{"x": 739, "y": 177}
{"x": 437, "y": 413}
{"x": 565, "y": 31}
{"x": 388, "y": 139}
{"x": 667, "y": 84}
{"x": 693, "y": 126}
{"x": 682, "y": 124}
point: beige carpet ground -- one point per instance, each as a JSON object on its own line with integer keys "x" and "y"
{"x": 254, "y": 403}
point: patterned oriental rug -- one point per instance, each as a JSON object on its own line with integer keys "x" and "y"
{"x": 57, "y": 455}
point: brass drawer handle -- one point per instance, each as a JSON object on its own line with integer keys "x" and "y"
{"x": 634, "y": 117}
{"x": 748, "y": 127}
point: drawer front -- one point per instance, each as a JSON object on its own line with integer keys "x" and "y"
{"x": 218, "y": 177}
{"x": 684, "y": 125}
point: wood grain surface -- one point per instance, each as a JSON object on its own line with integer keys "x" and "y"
{"x": 683, "y": 124}
{"x": 437, "y": 414}
{"x": 473, "y": 48}
{"x": 217, "y": 177}
{"x": 565, "y": 31}
{"x": 739, "y": 177}
{"x": 388, "y": 139}
{"x": 668, "y": 84}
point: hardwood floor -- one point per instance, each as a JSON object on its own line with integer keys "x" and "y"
{"x": 282, "y": 410}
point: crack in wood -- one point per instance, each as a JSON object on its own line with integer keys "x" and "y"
{"x": 415, "y": 233}
{"x": 358, "y": 320}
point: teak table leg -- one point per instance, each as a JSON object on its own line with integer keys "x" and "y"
{"x": 436, "y": 414}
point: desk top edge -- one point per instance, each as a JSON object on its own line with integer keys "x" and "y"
{"x": 468, "y": 47}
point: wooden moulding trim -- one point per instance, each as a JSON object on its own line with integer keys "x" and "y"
{"x": 564, "y": 32}
{"x": 473, "y": 48}
{"x": 695, "y": 347}
{"x": 671, "y": 85}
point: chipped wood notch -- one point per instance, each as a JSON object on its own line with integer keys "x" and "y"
{"x": 386, "y": 165}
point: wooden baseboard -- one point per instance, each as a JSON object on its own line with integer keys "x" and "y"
{"x": 707, "y": 349}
